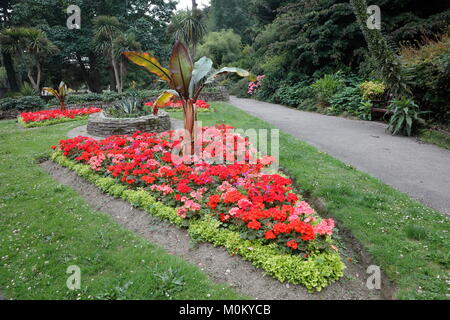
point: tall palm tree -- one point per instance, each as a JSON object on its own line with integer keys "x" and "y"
{"x": 189, "y": 27}
{"x": 106, "y": 30}
{"x": 124, "y": 42}
{"x": 30, "y": 46}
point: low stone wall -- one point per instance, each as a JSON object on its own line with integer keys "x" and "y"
{"x": 221, "y": 95}
{"x": 102, "y": 126}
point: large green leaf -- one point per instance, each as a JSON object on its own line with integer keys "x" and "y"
{"x": 181, "y": 68}
{"x": 201, "y": 69}
{"x": 163, "y": 98}
{"x": 51, "y": 91}
{"x": 149, "y": 62}
{"x": 240, "y": 72}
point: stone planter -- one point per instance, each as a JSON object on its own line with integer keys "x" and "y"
{"x": 101, "y": 126}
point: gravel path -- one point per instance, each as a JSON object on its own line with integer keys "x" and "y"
{"x": 418, "y": 169}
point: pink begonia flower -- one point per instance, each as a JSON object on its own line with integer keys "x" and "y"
{"x": 325, "y": 227}
{"x": 244, "y": 203}
{"x": 233, "y": 211}
{"x": 303, "y": 207}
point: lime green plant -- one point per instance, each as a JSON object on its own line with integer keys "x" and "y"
{"x": 326, "y": 87}
{"x": 372, "y": 90}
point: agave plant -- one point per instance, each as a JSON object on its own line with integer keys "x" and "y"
{"x": 59, "y": 93}
{"x": 127, "y": 107}
{"x": 186, "y": 81}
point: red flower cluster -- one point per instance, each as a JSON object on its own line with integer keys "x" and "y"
{"x": 238, "y": 194}
{"x": 200, "y": 104}
{"x": 56, "y": 114}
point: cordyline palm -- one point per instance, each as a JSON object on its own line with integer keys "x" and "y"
{"x": 60, "y": 94}
{"x": 123, "y": 43}
{"x": 31, "y": 46}
{"x": 106, "y": 30}
{"x": 188, "y": 26}
{"x": 186, "y": 81}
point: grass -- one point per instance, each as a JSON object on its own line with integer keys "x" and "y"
{"x": 407, "y": 239}
{"x": 45, "y": 227}
{"x": 435, "y": 137}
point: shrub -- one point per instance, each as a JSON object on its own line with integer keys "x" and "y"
{"x": 349, "y": 100}
{"x": 372, "y": 90}
{"x": 326, "y": 87}
{"x": 22, "y": 103}
{"x": 222, "y": 47}
{"x": 428, "y": 70}
{"x": 293, "y": 95}
{"x": 405, "y": 117}
{"x": 27, "y": 90}
{"x": 240, "y": 88}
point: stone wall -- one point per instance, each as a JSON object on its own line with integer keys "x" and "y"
{"x": 221, "y": 95}
{"x": 102, "y": 126}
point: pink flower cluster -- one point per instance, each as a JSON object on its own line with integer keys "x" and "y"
{"x": 252, "y": 86}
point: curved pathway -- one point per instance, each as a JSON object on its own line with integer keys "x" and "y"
{"x": 421, "y": 170}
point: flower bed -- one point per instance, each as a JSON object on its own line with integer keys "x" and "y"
{"x": 49, "y": 117}
{"x": 202, "y": 106}
{"x": 253, "y": 214}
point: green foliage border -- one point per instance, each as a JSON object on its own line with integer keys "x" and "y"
{"x": 315, "y": 273}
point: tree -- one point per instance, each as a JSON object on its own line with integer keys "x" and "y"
{"x": 124, "y": 42}
{"x": 78, "y": 60}
{"x": 223, "y": 47}
{"x": 5, "y": 9}
{"x": 231, "y": 14}
{"x": 31, "y": 46}
{"x": 188, "y": 26}
{"x": 386, "y": 59}
{"x": 106, "y": 30}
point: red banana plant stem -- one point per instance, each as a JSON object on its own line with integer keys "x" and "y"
{"x": 190, "y": 118}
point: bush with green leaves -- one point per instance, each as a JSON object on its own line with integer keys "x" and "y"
{"x": 239, "y": 89}
{"x": 223, "y": 47}
{"x": 26, "y": 90}
{"x": 405, "y": 118}
{"x": 293, "y": 95}
{"x": 428, "y": 71}
{"x": 349, "y": 100}
{"x": 28, "y": 103}
{"x": 326, "y": 87}
{"x": 372, "y": 90}
{"x": 109, "y": 96}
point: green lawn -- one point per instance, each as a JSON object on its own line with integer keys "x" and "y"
{"x": 408, "y": 240}
{"x": 46, "y": 227}
{"x": 435, "y": 137}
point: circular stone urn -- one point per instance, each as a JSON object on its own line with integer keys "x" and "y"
{"x": 101, "y": 126}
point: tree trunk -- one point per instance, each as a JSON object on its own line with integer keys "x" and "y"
{"x": 33, "y": 83}
{"x": 194, "y": 4}
{"x": 11, "y": 73}
{"x": 62, "y": 105}
{"x": 116, "y": 72}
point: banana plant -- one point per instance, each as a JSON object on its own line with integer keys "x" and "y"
{"x": 59, "y": 93}
{"x": 186, "y": 81}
